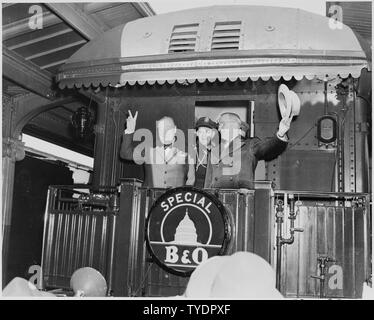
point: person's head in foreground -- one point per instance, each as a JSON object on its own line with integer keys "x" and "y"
{"x": 88, "y": 282}
{"x": 85, "y": 282}
{"x": 243, "y": 275}
{"x": 231, "y": 126}
{"x": 20, "y": 287}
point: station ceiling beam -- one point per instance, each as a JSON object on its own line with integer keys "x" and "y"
{"x": 27, "y": 74}
{"x": 79, "y": 20}
{"x": 20, "y": 27}
{"x": 144, "y": 8}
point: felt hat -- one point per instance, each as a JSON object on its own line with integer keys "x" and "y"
{"x": 295, "y": 104}
{"x": 243, "y": 275}
{"x": 288, "y": 101}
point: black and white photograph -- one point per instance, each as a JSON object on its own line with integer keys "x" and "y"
{"x": 187, "y": 150}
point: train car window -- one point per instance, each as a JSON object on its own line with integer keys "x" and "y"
{"x": 213, "y": 109}
{"x": 244, "y": 108}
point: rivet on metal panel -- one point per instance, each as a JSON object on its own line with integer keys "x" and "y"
{"x": 269, "y": 28}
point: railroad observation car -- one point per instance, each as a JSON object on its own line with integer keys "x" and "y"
{"x": 309, "y": 213}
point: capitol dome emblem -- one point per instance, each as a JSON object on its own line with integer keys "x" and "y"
{"x": 185, "y": 227}
{"x": 186, "y": 232}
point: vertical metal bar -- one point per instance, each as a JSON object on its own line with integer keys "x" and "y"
{"x": 134, "y": 240}
{"x": 252, "y": 124}
{"x": 298, "y": 217}
{"x": 366, "y": 238}
{"x": 92, "y": 240}
{"x": 49, "y": 244}
{"x": 79, "y": 235}
{"x": 64, "y": 242}
{"x": 343, "y": 241}
{"x": 136, "y": 235}
{"x": 279, "y": 259}
{"x": 334, "y": 230}
{"x": 354, "y": 141}
{"x": 246, "y": 225}
{"x": 326, "y": 103}
{"x": 103, "y": 241}
{"x": 72, "y": 240}
{"x": 46, "y": 214}
{"x": 340, "y": 147}
{"x": 111, "y": 254}
{"x": 316, "y": 246}
{"x": 57, "y": 247}
{"x": 238, "y": 246}
{"x": 144, "y": 268}
{"x": 325, "y": 230}
{"x": 131, "y": 257}
{"x": 85, "y": 238}
{"x": 354, "y": 251}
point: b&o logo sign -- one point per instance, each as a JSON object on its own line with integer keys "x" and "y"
{"x": 185, "y": 227}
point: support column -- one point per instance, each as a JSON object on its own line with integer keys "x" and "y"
{"x": 361, "y": 146}
{"x": 349, "y": 142}
{"x": 13, "y": 150}
{"x": 362, "y": 131}
{"x": 100, "y": 126}
{"x": 107, "y": 130}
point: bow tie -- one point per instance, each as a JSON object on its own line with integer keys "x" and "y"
{"x": 167, "y": 146}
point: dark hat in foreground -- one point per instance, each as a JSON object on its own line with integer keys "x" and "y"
{"x": 205, "y": 122}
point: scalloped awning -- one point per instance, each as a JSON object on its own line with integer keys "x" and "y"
{"x": 283, "y": 43}
{"x": 200, "y": 70}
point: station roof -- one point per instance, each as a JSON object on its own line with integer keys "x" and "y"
{"x": 217, "y": 43}
{"x": 37, "y": 39}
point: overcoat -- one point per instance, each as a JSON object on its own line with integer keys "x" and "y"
{"x": 234, "y": 167}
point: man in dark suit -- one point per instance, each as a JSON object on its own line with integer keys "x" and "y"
{"x": 165, "y": 165}
{"x": 238, "y": 157}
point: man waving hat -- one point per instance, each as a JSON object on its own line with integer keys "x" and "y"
{"x": 238, "y": 156}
